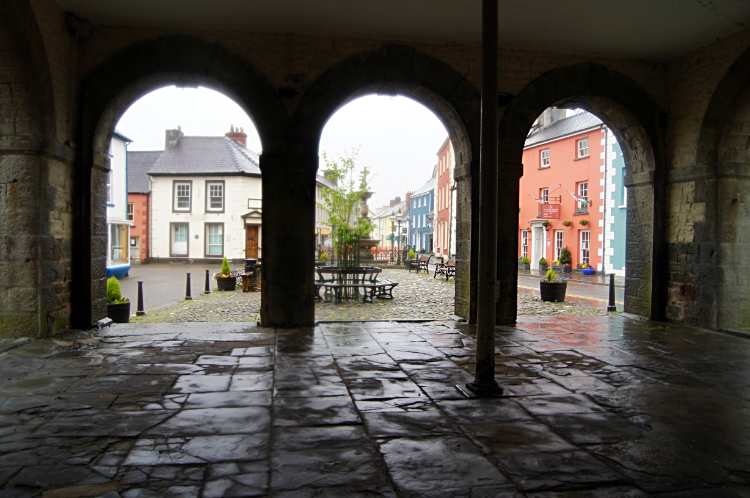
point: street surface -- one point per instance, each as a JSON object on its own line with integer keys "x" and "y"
{"x": 591, "y": 294}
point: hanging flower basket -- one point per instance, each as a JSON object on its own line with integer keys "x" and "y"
{"x": 567, "y": 223}
{"x": 546, "y": 224}
{"x": 584, "y": 222}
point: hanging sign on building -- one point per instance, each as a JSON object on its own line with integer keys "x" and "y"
{"x": 550, "y": 211}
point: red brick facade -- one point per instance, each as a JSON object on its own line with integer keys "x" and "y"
{"x": 139, "y": 232}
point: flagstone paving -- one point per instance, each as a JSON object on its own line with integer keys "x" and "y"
{"x": 596, "y": 407}
{"x": 418, "y": 296}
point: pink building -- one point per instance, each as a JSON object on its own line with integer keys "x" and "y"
{"x": 443, "y": 226}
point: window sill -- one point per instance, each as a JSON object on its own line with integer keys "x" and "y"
{"x": 543, "y": 167}
{"x": 623, "y": 207}
{"x": 580, "y": 212}
{"x": 109, "y": 204}
{"x": 581, "y": 158}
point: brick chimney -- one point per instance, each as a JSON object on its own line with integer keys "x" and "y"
{"x": 408, "y": 198}
{"x": 238, "y": 135}
{"x": 172, "y": 137}
{"x": 395, "y": 201}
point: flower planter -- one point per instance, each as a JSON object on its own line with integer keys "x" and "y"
{"x": 578, "y": 266}
{"x": 566, "y": 268}
{"x": 553, "y": 291}
{"x": 119, "y": 313}
{"x": 588, "y": 271}
{"x": 543, "y": 268}
{"x": 226, "y": 283}
{"x": 522, "y": 266}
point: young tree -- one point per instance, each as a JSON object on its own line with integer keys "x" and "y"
{"x": 343, "y": 200}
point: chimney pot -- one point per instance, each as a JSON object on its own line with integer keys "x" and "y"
{"x": 237, "y": 134}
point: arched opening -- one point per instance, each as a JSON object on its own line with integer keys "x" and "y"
{"x": 113, "y": 87}
{"x": 409, "y": 164}
{"x": 402, "y": 71}
{"x": 638, "y": 125}
{"x": 713, "y": 284}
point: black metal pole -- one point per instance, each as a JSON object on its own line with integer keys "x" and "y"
{"x": 484, "y": 379}
{"x": 208, "y": 284}
{"x": 187, "y": 288}
{"x": 611, "y": 306}
{"x": 140, "y": 311}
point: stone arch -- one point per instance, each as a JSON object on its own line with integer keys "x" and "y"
{"x": 108, "y": 90}
{"x": 720, "y": 180}
{"x": 639, "y": 124}
{"x": 402, "y": 70}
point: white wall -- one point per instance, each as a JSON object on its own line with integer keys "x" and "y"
{"x": 237, "y": 191}
{"x": 117, "y": 206}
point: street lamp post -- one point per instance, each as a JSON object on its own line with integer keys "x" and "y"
{"x": 398, "y": 220}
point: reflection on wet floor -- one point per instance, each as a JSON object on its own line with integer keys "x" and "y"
{"x": 598, "y": 406}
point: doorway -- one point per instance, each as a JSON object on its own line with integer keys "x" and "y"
{"x": 251, "y": 242}
{"x": 537, "y": 247}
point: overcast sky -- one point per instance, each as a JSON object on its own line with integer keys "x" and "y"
{"x": 397, "y": 138}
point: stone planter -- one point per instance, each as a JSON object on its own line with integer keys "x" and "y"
{"x": 567, "y": 268}
{"x": 543, "y": 268}
{"x": 119, "y": 313}
{"x": 553, "y": 291}
{"x": 522, "y": 266}
{"x": 226, "y": 283}
{"x": 407, "y": 262}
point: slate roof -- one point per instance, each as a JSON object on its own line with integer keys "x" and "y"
{"x": 429, "y": 185}
{"x": 564, "y": 127}
{"x": 139, "y": 164}
{"x": 393, "y": 209}
{"x": 207, "y": 156}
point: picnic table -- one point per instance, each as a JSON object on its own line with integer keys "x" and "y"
{"x": 347, "y": 282}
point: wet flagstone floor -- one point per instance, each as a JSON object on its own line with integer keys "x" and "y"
{"x": 597, "y": 407}
{"x": 418, "y": 295}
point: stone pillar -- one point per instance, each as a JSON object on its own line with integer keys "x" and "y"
{"x": 466, "y": 301}
{"x": 639, "y": 252}
{"x": 484, "y": 378}
{"x": 506, "y": 305}
{"x": 288, "y": 240}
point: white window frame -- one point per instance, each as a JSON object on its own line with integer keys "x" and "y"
{"x": 585, "y": 253}
{"x": 559, "y": 241}
{"x": 208, "y": 236}
{"x": 172, "y": 231}
{"x": 131, "y": 211}
{"x": 583, "y": 192}
{"x": 545, "y": 196}
{"x": 176, "y": 198}
{"x": 109, "y": 188}
{"x": 583, "y": 148}
{"x": 545, "y": 159}
{"x": 209, "y": 197}
{"x": 524, "y": 243}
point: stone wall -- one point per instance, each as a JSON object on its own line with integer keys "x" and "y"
{"x": 47, "y": 204}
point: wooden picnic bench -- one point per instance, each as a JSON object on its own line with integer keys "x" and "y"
{"x": 448, "y": 269}
{"x": 339, "y": 281}
{"x": 420, "y": 264}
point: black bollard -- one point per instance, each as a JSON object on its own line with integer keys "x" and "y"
{"x": 208, "y": 284}
{"x": 187, "y": 288}
{"x": 611, "y": 306}
{"x": 140, "y": 311}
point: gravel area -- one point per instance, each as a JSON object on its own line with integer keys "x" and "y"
{"x": 416, "y": 296}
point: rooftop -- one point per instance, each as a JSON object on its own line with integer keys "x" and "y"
{"x": 565, "y": 127}
{"x": 207, "y": 156}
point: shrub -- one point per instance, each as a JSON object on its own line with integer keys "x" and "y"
{"x": 114, "y": 295}
{"x": 411, "y": 254}
{"x": 225, "y": 270}
{"x": 525, "y": 261}
{"x": 324, "y": 256}
{"x": 565, "y": 257}
{"x": 551, "y": 275}
{"x": 542, "y": 261}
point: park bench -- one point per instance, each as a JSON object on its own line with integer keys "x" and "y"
{"x": 420, "y": 264}
{"x": 448, "y": 269}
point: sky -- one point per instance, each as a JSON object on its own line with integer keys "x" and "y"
{"x": 397, "y": 138}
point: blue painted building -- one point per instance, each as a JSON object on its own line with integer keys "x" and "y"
{"x": 421, "y": 213}
{"x": 616, "y": 203}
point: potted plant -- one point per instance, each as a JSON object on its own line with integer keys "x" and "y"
{"x": 553, "y": 287}
{"x": 227, "y": 280}
{"x": 587, "y": 270}
{"x": 543, "y": 265}
{"x": 546, "y": 224}
{"x": 525, "y": 263}
{"x": 566, "y": 260}
{"x": 323, "y": 260}
{"x": 555, "y": 265}
{"x": 584, "y": 222}
{"x": 118, "y": 307}
{"x": 410, "y": 257}
{"x": 567, "y": 223}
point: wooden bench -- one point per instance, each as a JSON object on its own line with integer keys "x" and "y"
{"x": 420, "y": 264}
{"x": 448, "y": 269}
{"x": 382, "y": 289}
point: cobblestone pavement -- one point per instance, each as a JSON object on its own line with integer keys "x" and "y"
{"x": 598, "y": 407}
{"x": 417, "y": 296}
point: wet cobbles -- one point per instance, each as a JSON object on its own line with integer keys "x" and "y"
{"x": 417, "y": 296}
{"x": 595, "y": 407}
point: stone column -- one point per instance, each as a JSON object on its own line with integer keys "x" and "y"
{"x": 288, "y": 240}
{"x": 506, "y": 305}
{"x": 484, "y": 379}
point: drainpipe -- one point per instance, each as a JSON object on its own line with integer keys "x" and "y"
{"x": 606, "y": 192}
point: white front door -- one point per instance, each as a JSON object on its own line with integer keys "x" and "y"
{"x": 536, "y": 248}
